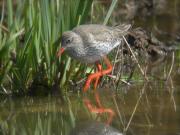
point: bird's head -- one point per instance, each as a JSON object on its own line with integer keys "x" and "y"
{"x": 68, "y": 40}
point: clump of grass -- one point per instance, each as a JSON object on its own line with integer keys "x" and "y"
{"x": 30, "y": 34}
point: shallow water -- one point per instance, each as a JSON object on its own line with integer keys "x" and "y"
{"x": 151, "y": 108}
{"x": 156, "y": 111}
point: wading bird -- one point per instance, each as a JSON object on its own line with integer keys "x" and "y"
{"x": 90, "y": 44}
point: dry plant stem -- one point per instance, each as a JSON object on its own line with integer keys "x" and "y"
{"x": 135, "y": 58}
{"x": 115, "y": 59}
{"x": 171, "y": 91}
{"x": 5, "y": 29}
{"x": 120, "y": 71}
{"x": 5, "y": 91}
{"x": 118, "y": 112}
{"x": 78, "y": 82}
{"x": 121, "y": 65}
{"x": 147, "y": 101}
{"x": 115, "y": 78}
{"x": 135, "y": 108}
{"x": 148, "y": 120}
{"x": 114, "y": 65}
{"x": 147, "y": 106}
{"x": 172, "y": 64}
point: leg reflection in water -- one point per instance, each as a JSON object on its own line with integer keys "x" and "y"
{"x": 99, "y": 109}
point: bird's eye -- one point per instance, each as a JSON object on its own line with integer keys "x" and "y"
{"x": 68, "y": 41}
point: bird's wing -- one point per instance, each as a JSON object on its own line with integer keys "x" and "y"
{"x": 93, "y": 34}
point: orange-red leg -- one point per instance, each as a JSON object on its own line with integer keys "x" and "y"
{"x": 99, "y": 67}
{"x": 98, "y": 75}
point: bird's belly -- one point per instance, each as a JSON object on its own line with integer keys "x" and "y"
{"x": 94, "y": 54}
{"x": 88, "y": 58}
{"x": 91, "y": 59}
{"x": 91, "y": 54}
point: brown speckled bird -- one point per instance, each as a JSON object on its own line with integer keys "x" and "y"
{"x": 91, "y": 43}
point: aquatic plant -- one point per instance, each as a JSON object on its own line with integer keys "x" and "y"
{"x": 30, "y": 34}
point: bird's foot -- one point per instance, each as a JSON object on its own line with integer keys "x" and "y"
{"x": 89, "y": 80}
{"x": 98, "y": 74}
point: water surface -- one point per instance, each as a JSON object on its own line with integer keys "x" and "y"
{"x": 143, "y": 108}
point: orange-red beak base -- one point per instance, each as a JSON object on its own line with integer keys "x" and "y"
{"x": 60, "y": 52}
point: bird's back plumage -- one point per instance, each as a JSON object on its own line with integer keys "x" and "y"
{"x": 97, "y": 41}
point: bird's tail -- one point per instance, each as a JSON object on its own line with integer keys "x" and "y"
{"x": 122, "y": 29}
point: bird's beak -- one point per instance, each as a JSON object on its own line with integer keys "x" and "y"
{"x": 60, "y": 52}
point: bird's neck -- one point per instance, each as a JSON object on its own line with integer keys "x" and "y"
{"x": 77, "y": 51}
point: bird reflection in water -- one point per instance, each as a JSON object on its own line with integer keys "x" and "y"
{"x": 99, "y": 109}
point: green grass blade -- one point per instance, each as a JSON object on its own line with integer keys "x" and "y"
{"x": 113, "y": 4}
